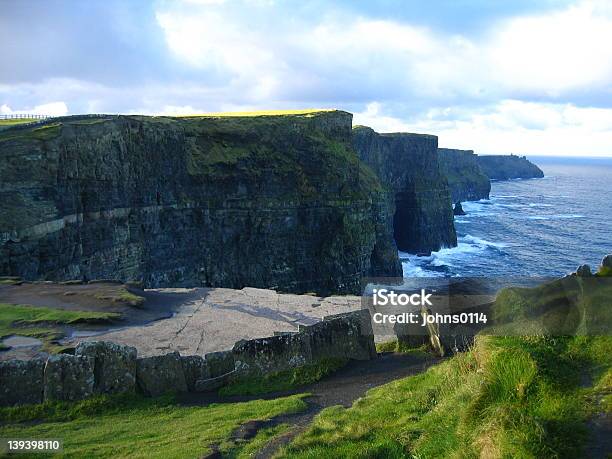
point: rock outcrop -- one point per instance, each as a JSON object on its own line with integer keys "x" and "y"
{"x": 458, "y": 209}
{"x": 505, "y": 167}
{"x": 584, "y": 271}
{"x": 466, "y": 179}
{"x": 266, "y": 201}
{"x": 408, "y": 167}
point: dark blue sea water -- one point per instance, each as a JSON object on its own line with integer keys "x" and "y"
{"x": 535, "y": 227}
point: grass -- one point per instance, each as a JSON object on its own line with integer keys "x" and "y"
{"x": 120, "y": 294}
{"x": 10, "y": 280}
{"x": 257, "y": 113}
{"x": 14, "y": 121}
{"x": 401, "y": 347}
{"x": 42, "y": 323}
{"x": 263, "y": 437}
{"x": 283, "y": 380}
{"x": 508, "y": 397}
{"x": 138, "y": 427}
{"x": 44, "y": 132}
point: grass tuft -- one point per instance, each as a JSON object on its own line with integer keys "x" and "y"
{"x": 42, "y": 323}
{"x": 284, "y": 380}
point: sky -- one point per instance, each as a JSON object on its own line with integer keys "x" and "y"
{"x": 524, "y": 77}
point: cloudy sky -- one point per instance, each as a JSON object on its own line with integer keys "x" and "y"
{"x": 494, "y": 76}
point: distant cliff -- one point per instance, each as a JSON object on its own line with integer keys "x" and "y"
{"x": 504, "y": 167}
{"x": 407, "y": 165}
{"x": 465, "y": 177}
{"x": 265, "y": 201}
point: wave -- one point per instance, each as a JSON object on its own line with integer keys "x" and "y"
{"x": 555, "y": 217}
{"x": 440, "y": 263}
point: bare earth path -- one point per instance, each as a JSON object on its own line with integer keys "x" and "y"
{"x": 342, "y": 388}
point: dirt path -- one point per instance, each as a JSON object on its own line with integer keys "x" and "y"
{"x": 342, "y": 388}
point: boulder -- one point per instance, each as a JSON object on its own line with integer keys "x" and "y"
{"x": 68, "y": 377}
{"x": 21, "y": 382}
{"x": 344, "y": 336}
{"x": 583, "y": 271}
{"x": 114, "y": 366}
{"x": 607, "y": 261}
{"x": 160, "y": 374}
{"x": 262, "y": 356}
{"x": 195, "y": 368}
{"x": 220, "y": 363}
{"x": 458, "y": 209}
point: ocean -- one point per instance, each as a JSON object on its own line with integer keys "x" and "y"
{"x": 533, "y": 227}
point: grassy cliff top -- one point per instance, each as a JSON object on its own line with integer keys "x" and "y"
{"x": 14, "y": 121}
{"x": 306, "y": 112}
{"x": 363, "y": 129}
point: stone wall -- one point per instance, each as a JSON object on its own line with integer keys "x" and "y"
{"x": 407, "y": 166}
{"x": 108, "y": 368}
{"x": 278, "y": 202}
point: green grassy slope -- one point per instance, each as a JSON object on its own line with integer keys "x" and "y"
{"x": 136, "y": 427}
{"x": 509, "y": 396}
{"x": 43, "y": 323}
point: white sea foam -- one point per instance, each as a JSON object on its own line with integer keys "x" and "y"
{"x": 555, "y": 217}
{"x": 434, "y": 265}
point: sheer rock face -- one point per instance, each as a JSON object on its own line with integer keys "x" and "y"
{"x": 408, "y": 167}
{"x": 466, "y": 179}
{"x": 504, "y": 167}
{"x": 270, "y": 201}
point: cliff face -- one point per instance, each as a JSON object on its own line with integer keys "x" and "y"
{"x": 504, "y": 167}
{"x": 407, "y": 165}
{"x": 466, "y": 179}
{"x": 269, "y": 201}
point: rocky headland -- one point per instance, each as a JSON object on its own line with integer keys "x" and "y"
{"x": 466, "y": 179}
{"x": 469, "y": 175}
{"x": 506, "y": 167}
{"x": 298, "y": 202}
{"x": 408, "y": 167}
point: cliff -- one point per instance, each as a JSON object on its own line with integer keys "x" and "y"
{"x": 466, "y": 179}
{"x": 265, "y": 201}
{"x": 504, "y": 167}
{"x": 407, "y": 165}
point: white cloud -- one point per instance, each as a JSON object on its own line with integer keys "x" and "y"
{"x": 209, "y": 42}
{"x": 554, "y": 52}
{"x": 502, "y": 86}
{"x": 510, "y": 126}
{"x": 50, "y": 109}
{"x": 549, "y": 53}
